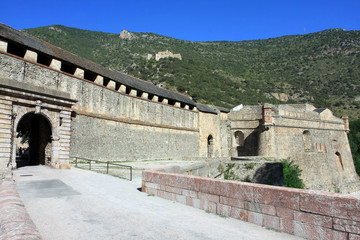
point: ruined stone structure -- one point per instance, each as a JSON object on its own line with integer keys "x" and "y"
{"x": 167, "y": 54}
{"x": 65, "y": 106}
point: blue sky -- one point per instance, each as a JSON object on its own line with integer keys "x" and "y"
{"x": 188, "y": 19}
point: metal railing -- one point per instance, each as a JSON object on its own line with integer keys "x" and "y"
{"x": 107, "y": 164}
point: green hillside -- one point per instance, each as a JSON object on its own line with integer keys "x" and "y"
{"x": 320, "y": 68}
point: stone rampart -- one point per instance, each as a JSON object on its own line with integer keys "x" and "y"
{"x": 123, "y": 126}
{"x": 304, "y": 213}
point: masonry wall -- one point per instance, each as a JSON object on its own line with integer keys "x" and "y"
{"x": 304, "y": 213}
{"x": 214, "y": 125}
{"x": 136, "y": 128}
{"x": 320, "y": 164}
{"x": 324, "y": 158}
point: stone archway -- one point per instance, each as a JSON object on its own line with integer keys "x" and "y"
{"x": 34, "y": 142}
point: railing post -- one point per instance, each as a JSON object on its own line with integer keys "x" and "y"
{"x": 75, "y": 162}
{"x": 130, "y": 173}
{"x": 89, "y": 165}
{"x": 107, "y": 167}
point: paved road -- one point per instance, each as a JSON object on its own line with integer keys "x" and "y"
{"x": 79, "y": 204}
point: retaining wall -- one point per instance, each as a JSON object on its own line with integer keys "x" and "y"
{"x": 305, "y": 213}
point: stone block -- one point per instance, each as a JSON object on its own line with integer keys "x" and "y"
{"x": 171, "y": 189}
{"x": 347, "y": 225}
{"x": 99, "y": 80}
{"x": 189, "y": 193}
{"x": 65, "y": 166}
{"x": 314, "y": 219}
{"x": 151, "y": 176}
{"x": 3, "y": 46}
{"x": 272, "y": 222}
{"x": 238, "y": 213}
{"x": 180, "y": 181}
{"x": 165, "y": 101}
{"x": 232, "y": 202}
{"x": 180, "y": 199}
{"x": 144, "y": 95}
{"x": 330, "y": 204}
{"x": 133, "y": 92}
{"x": 268, "y": 209}
{"x": 79, "y": 73}
{"x": 309, "y": 231}
{"x": 276, "y": 196}
{"x": 151, "y": 191}
{"x": 193, "y": 202}
{"x": 31, "y": 56}
{"x": 155, "y": 98}
{"x": 256, "y": 218}
{"x": 111, "y": 85}
{"x": 253, "y": 207}
{"x": 209, "y": 197}
{"x": 177, "y": 104}
{"x": 208, "y": 206}
{"x": 354, "y": 237}
{"x": 285, "y": 213}
{"x": 287, "y": 226}
{"x": 122, "y": 89}
{"x": 55, "y": 64}
{"x": 151, "y": 185}
{"x": 223, "y": 210}
{"x": 166, "y": 195}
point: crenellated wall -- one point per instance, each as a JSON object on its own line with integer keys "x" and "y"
{"x": 113, "y": 124}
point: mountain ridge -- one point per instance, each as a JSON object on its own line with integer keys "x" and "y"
{"x": 321, "y": 68}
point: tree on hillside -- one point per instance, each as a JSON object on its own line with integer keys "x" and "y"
{"x": 354, "y": 139}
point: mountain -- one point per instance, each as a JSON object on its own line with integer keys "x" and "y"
{"x": 321, "y": 68}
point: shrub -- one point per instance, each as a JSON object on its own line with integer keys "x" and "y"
{"x": 292, "y": 174}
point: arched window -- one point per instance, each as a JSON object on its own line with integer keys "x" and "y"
{"x": 210, "y": 146}
{"x": 239, "y": 138}
{"x": 307, "y": 141}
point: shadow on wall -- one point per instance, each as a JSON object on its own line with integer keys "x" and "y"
{"x": 247, "y": 146}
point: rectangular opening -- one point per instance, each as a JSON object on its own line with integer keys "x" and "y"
{"x": 106, "y": 81}
{"x": 44, "y": 59}
{"x": 150, "y": 96}
{"x": 171, "y": 102}
{"x": 68, "y": 68}
{"x": 16, "y": 50}
{"x": 88, "y": 75}
{"x": 139, "y": 93}
{"x": 128, "y": 90}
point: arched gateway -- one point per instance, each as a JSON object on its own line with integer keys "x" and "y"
{"x": 35, "y": 125}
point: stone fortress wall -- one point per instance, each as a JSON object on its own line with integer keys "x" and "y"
{"x": 112, "y": 116}
{"x": 110, "y": 120}
{"x": 314, "y": 138}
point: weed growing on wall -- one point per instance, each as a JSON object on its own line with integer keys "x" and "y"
{"x": 292, "y": 174}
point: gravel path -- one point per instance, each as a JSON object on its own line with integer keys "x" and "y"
{"x": 79, "y": 204}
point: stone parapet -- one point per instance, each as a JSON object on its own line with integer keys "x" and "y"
{"x": 304, "y": 213}
{"x": 15, "y": 222}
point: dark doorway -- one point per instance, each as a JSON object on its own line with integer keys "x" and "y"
{"x": 33, "y": 143}
{"x": 247, "y": 146}
{"x": 210, "y": 146}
